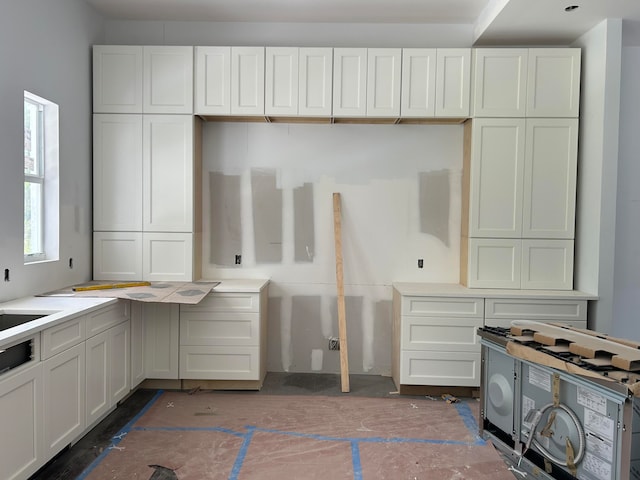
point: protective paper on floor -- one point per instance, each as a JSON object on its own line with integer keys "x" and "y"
{"x": 217, "y": 435}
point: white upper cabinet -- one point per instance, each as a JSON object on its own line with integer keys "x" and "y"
{"x": 384, "y": 67}
{"x": 453, "y": 82}
{"x": 117, "y": 172}
{"x": 213, "y": 81}
{"x": 497, "y": 169}
{"x": 553, "y": 87}
{"x": 550, "y": 178}
{"x": 349, "y": 82}
{"x": 117, "y": 79}
{"x": 500, "y": 82}
{"x": 418, "y": 82}
{"x": 168, "y": 79}
{"x": 168, "y": 173}
{"x": 247, "y": 80}
{"x": 315, "y": 69}
{"x": 281, "y": 81}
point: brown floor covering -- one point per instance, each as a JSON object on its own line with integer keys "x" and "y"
{"x": 241, "y": 436}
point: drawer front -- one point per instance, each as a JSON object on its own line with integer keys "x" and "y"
{"x": 538, "y": 310}
{"x": 61, "y": 337}
{"x": 440, "y": 334}
{"x": 226, "y": 302}
{"x": 202, "y": 328}
{"x": 105, "y": 318}
{"x": 219, "y": 363}
{"x": 443, "y": 306}
{"x": 440, "y": 368}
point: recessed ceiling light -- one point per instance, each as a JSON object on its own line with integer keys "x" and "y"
{"x": 571, "y": 8}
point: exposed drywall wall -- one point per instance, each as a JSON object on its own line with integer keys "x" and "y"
{"x": 45, "y": 48}
{"x": 401, "y": 194}
{"x": 626, "y": 285}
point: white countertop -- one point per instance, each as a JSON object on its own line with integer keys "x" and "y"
{"x": 456, "y": 290}
{"x": 58, "y": 310}
{"x": 62, "y": 308}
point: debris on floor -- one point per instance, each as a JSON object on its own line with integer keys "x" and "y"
{"x": 163, "y": 473}
{"x": 449, "y": 398}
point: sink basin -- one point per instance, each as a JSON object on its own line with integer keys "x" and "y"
{"x": 8, "y": 320}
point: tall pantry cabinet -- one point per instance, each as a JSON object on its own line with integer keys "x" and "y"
{"x": 520, "y": 169}
{"x": 146, "y": 164}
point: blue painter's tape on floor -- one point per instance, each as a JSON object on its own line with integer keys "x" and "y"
{"x": 355, "y": 458}
{"x": 242, "y": 453}
{"x": 469, "y": 421}
{"x": 118, "y": 438}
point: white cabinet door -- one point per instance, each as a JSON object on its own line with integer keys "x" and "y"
{"x": 168, "y": 79}
{"x": 137, "y": 344}
{"x": 349, "y": 82}
{"x": 168, "y": 257}
{"x": 117, "y": 79}
{"x": 418, "y": 82}
{"x": 453, "y": 82}
{"x": 384, "y": 66}
{"x": 247, "y": 80}
{"x": 117, "y": 172}
{"x": 553, "y": 87}
{"x": 97, "y": 377}
{"x": 494, "y": 263}
{"x": 497, "y": 169}
{"x": 21, "y": 419}
{"x": 500, "y": 82}
{"x": 213, "y": 81}
{"x": 547, "y": 264}
{"x": 117, "y": 256}
{"x": 162, "y": 330}
{"x": 550, "y": 176}
{"x": 315, "y": 67}
{"x": 119, "y": 361}
{"x": 64, "y": 399}
{"x": 281, "y": 81}
{"x": 168, "y": 163}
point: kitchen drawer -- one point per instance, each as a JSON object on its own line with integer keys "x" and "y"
{"x": 443, "y": 306}
{"x": 441, "y": 334}
{"x": 220, "y": 328}
{"x": 105, "y": 318}
{"x": 506, "y": 322}
{"x": 537, "y": 310}
{"x": 63, "y": 336}
{"x": 440, "y": 368}
{"x": 219, "y": 363}
{"x": 226, "y": 302}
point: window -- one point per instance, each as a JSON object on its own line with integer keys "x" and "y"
{"x": 41, "y": 202}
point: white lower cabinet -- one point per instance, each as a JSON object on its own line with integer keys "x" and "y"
{"x": 435, "y": 340}
{"x": 161, "y": 334}
{"x": 64, "y": 399}
{"x": 107, "y": 371}
{"x": 21, "y": 413}
{"x": 224, "y": 337}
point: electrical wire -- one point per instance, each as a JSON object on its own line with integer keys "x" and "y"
{"x": 545, "y": 453}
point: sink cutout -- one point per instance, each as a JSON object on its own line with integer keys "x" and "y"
{"x": 9, "y": 320}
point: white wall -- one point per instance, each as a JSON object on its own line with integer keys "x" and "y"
{"x": 598, "y": 169}
{"x": 45, "y": 49}
{"x": 627, "y": 261}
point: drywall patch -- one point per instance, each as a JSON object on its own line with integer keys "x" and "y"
{"x": 434, "y": 204}
{"x": 382, "y": 329}
{"x": 306, "y": 328}
{"x": 303, "y": 223}
{"x": 274, "y": 327}
{"x": 267, "y": 216}
{"x": 224, "y": 206}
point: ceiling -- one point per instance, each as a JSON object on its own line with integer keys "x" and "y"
{"x": 494, "y": 21}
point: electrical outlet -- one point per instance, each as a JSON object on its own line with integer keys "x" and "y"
{"x": 420, "y": 263}
{"x": 6, "y": 274}
{"x": 334, "y": 343}
{"x": 238, "y": 259}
